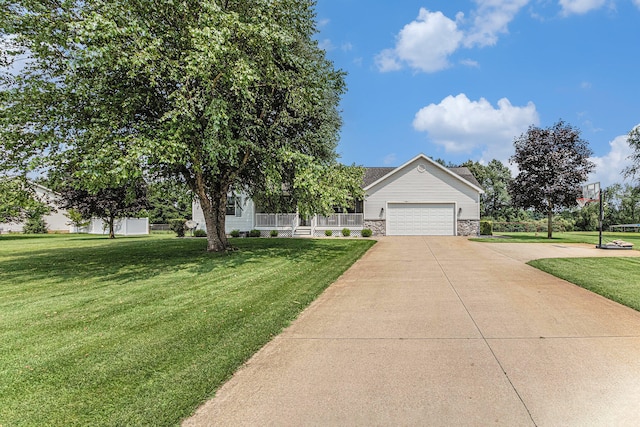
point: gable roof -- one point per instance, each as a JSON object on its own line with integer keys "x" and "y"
{"x": 466, "y": 174}
{"x": 372, "y": 175}
{"x": 375, "y": 175}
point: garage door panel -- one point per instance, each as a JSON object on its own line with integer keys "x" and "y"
{"x": 421, "y": 219}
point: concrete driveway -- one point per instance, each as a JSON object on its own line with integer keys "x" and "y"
{"x": 443, "y": 331}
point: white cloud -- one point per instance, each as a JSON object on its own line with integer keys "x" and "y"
{"x": 427, "y": 43}
{"x": 570, "y": 7}
{"x": 326, "y": 44}
{"x": 390, "y": 159}
{"x": 492, "y": 18}
{"x": 462, "y": 126}
{"x": 470, "y": 63}
{"x": 637, "y": 3}
{"x": 386, "y": 61}
{"x": 609, "y": 167}
{"x": 424, "y": 44}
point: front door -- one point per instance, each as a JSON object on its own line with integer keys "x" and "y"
{"x": 304, "y": 221}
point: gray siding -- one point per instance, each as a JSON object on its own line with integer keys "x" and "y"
{"x": 433, "y": 185}
{"x": 244, "y": 222}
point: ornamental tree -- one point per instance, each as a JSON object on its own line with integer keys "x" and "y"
{"x": 220, "y": 94}
{"x": 552, "y": 164}
{"x": 106, "y": 203}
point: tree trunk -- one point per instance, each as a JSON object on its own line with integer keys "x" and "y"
{"x": 112, "y": 234}
{"x": 550, "y": 222}
{"x": 214, "y": 208}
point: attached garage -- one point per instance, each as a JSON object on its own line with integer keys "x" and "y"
{"x": 421, "y": 219}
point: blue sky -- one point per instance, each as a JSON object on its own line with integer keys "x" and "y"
{"x": 459, "y": 80}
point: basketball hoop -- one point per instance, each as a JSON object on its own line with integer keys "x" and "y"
{"x": 590, "y": 193}
{"x": 582, "y": 201}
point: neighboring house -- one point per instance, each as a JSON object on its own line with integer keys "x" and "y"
{"x": 121, "y": 226}
{"x": 56, "y": 220}
{"x": 421, "y": 197}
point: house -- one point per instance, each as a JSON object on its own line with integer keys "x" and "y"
{"x": 56, "y": 220}
{"x": 421, "y": 197}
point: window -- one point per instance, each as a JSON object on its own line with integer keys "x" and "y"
{"x": 357, "y": 207}
{"x": 233, "y": 206}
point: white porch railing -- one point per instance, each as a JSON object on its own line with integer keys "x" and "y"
{"x": 341, "y": 220}
{"x": 269, "y": 220}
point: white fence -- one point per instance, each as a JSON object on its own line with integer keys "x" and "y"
{"x": 276, "y": 220}
{"x": 341, "y": 220}
{"x": 123, "y": 226}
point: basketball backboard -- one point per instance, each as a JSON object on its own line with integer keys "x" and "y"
{"x": 591, "y": 191}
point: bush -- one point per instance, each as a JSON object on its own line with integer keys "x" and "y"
{"x": 366, "y": 232}
{"x": 328, "y": 233}
{"x": 35, "y": 225}
{"x": 235, "y": 233}
{"x": 274, "y": 233}
{"x": 486, "y": 228}
{"x": 199, "y": 233}
{"x": 346, "y": 232}
{"x": 254, "y": 233}
{"x": 177, "y": 225}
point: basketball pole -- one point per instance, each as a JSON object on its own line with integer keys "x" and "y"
{"x": 601, "y": 218}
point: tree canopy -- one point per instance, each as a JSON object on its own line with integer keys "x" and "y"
{"x": 221, "y": 94}
{"x": 553, "y": 162}
{"x": 633, "y": 139}
{"x": 494, "y": 178}
{"x": 107, "y": 203}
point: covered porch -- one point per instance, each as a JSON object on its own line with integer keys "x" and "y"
{"x": 293, "y": 224}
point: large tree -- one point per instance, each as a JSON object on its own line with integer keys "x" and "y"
{"x": 494, "y": 178}
{"x": 633, "y": 139}
{"x": 553, "y": 162}
{"x": 222, "y": 94}
{"x": 168, "y": 199}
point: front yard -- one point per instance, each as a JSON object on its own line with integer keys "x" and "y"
{"x": 142, "y": 330}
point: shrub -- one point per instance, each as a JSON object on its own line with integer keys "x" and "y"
{"x": 274, "y": 233}
{"x": 177, "y": 225}
{"x": 346, "y": 232}
{"x": 254, "y": 233}
{"x": 199, "y": 233}
{"x": 366, "y": 232}
{"x": 77, "y": 219}
{"x": 486, "y": 228}
{"x": 328, "y": 233}
{"x": 235, "y": 233}
{"x": 35, "y": 225}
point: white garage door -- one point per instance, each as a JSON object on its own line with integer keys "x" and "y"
{"x": 420, "y": 219}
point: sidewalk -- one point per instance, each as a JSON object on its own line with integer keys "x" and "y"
{"x": 443, "y": 331}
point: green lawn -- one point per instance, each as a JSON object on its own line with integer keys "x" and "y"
{"x": 140, "y": 331}
{"x": 590, "y": 237}
{"x": 615, "y": 278}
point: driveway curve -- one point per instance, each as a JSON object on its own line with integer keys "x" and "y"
{"x": 444, "y": 331}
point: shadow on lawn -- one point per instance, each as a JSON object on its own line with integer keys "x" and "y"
{"x": 129, "y": 260}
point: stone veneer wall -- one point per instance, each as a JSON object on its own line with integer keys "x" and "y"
{"x": 378, "y": 227}
{"x": 467, "y": 227}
